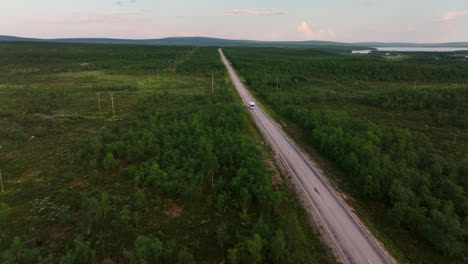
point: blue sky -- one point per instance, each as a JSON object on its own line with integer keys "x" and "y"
{"x": 336, "y": 20}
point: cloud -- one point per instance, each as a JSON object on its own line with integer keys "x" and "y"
{"x": 304, "y": 29}
{"x": 320, "y": 34}
{"x": 331, "y": 33}
{"x": 239, "y": 12}
{"x": 451, "y": 16}
{"x": 86, "y": 18}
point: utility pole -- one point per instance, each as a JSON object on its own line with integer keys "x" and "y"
{"x": 99, "y": 104}
{"x": 1, "y": 180}
{"x": 212, "y": 83}
{"x": 112, "y": 99}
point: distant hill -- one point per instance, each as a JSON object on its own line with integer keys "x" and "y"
{"x": 196, "y": 41}
{"x": 203, "y": 41}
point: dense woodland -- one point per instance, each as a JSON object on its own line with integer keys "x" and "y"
{"x": 177, "y": 176}
{"x": 341, "y": 102}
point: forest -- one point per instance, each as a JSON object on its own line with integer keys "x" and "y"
{"x": 121, "y": 154}
{"x": 394, "y": 127}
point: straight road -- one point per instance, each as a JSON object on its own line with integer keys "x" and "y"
{"x": 351, "y": 239}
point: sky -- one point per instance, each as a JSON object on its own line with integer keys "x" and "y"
{"x": 420, "y": 21}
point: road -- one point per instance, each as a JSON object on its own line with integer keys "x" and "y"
{"x": 351, "y": 239}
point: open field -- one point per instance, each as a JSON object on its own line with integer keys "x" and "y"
{"x": 177, "y": 175}
{"x": 395, "y": 131}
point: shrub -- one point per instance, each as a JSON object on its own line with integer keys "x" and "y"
{"x": 15, "y": 133}
{"x": 140, "y": 200}
{"x": 68, "y": 176}
{"x": 81, "y": 254}
{"x": 95, "y": 178}
{"x": 17, "y": 253}
{"x": 109, "y": 163}
{"x": 5, "y": 112}
{"x": 4, "y": 211}
{"x": 41, "y": 131}
{"x": 147, "y": 250}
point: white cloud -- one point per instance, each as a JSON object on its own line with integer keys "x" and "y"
{"x": 331, "y": 33}
{"x": 304, "y": 29}
{"x": 84, "y": 18}
{"x": 239, "y": 12}
{"x": 450, "y": 16}
{"x": 320, "y": 34}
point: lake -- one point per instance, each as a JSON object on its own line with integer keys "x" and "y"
{"x": 420, "y": 49}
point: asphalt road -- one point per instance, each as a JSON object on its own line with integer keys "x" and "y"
{"x": 351, "y": 239}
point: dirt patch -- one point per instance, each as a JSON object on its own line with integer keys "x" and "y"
{"x": 175, "y": 211}
{"x": 107, "y": 261}
{"x": 77, "y": 182}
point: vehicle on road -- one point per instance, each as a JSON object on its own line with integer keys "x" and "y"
{"x": 251, "y": 105}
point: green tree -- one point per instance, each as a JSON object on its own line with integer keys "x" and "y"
{"x": 4, "y": 212}
{"x": 254, "y": 247}
{"x": 278, "y": 250}
{"x": 109, "y": 163}
{"x": 221, "y": 234}
{"x": 140, "y": 200}
{"x": 147, "y": 250}
{"x": 125, "y": 216}
{"x": 184, "y": 257}
{"x": 244, "y": 199}
{"x": 220, "y": 202}
{"x": 82, "y": 253}
{"x": 156, "y": 177}
{"x": 95, "y": 210}
{"x": 351, "y": 163}
{"x": 233, "y": 256}
{"x": 92, "y": 211}
{"x": 18, "y": 253}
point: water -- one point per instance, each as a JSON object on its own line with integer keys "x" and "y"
{"x": 361, "y": 51}
{"x": 421, "y": 49}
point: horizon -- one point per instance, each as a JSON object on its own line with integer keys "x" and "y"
{"x": 349, "y": 21}
{"x": 228, "y": 39}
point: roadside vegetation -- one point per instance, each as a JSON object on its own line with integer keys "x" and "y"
{"x": 394, "y": 127}
{"x": 177, "y": 175}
